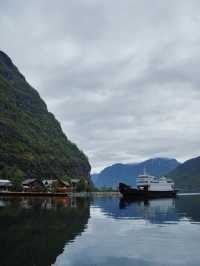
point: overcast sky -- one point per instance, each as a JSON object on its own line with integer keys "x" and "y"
{"x": 122, "y": 77}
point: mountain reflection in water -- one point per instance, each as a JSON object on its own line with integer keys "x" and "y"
{"x": 100, "y": 232}
{"x": 35, "y": 231}
{"x": 154, "y": 210}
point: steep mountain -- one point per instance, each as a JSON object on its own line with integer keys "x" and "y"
{"x": 32, "y": 143}
{"x": 127, "y": 173}
{"x": 187, "y": 175}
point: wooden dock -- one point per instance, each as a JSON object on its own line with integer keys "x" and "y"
{"x": 33, "y": 194}
{"x": 59, "y": 194}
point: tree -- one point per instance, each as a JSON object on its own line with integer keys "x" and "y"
{"x": 17, "y": 178}
{"x": 81, "y": 186}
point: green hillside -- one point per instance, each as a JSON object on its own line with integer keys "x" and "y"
{"x": 187, "y": 175}
{"x": 32, "y": 143}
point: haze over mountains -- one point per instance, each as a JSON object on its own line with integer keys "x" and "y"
{"x": 127, "y": 173}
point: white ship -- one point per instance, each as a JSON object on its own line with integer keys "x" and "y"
{"x": 152, "y": 183}
{"x": 149, "y": 187}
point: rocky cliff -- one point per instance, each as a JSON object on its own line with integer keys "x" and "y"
{"x": 32, "y": 143}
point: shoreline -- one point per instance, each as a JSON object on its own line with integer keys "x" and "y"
{"x": 33, "y": 194}
{"x": 58, "y": 194}
{"x": 74, "y": 194}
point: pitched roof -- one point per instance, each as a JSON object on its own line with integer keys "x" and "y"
{"x": 30, "y": 181}
{"x": 5, "y": 182}
{"x": 65, "y": 183}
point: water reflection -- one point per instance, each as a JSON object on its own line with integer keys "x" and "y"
{"x": 101, "y": 232}
{"x": 35, "y": 231}
{"x": 188, "y": 206}
{"x": 156, "y": 211}
{"x": 152, "y": 233}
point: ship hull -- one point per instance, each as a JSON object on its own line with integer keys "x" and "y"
{"x": 133, "y": 193}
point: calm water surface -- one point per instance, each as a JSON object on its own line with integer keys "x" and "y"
{"x": 100, "y": 232}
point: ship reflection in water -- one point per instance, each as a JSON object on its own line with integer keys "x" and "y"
{"x": 155, "y": 211}
{"x": 100, "y": 232}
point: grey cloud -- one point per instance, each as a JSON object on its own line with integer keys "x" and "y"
{"x": 122, "y": 77}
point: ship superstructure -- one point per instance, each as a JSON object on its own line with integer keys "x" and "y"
{"x": 151, "y": 183}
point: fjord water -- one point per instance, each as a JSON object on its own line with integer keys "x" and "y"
{"x": 100, "y": 231}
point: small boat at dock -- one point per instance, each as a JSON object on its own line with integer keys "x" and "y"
{"x": 149, "y": 187}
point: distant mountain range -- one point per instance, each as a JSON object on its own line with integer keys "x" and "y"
{"x": 127, "y": 173}
{"x": 187, "y": 175}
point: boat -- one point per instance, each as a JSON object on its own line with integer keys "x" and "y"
{"x": 149, "y": 186}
